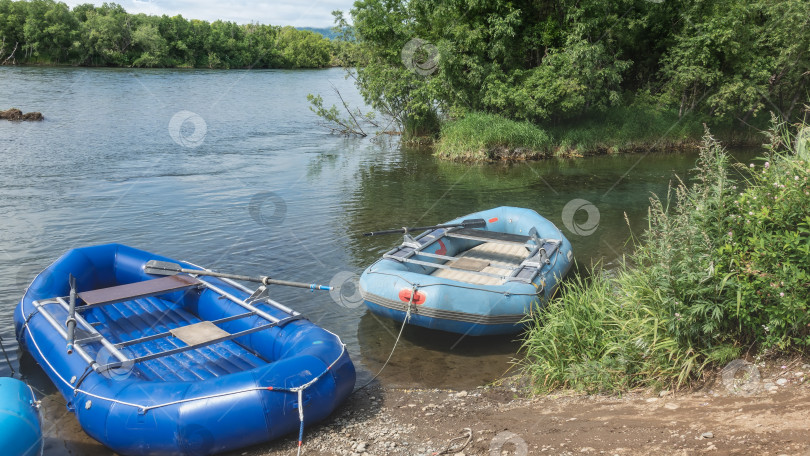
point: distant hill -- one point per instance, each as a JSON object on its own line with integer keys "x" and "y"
{"x": 325, "y": 31}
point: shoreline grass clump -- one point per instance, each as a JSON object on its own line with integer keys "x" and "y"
{"x": 481, "y": 137}
{"x": 628, "y": 129}
{"x": 720, "y": 271}
{"x": 490, "y": 137}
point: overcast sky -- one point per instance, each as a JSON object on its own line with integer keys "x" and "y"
{"x": 305, "y": 13}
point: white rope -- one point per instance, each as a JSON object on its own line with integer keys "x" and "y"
{"x": 401, "y": 329}
{"x": 301, "y": 419}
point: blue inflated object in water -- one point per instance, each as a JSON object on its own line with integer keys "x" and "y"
{"x": 20, "y": 431}
{"x": 476, "y": 281}
{"x": 134, "y": 384}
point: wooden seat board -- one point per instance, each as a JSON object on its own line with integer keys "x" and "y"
{"x": 137, "y": 290}
{"x": 199, "y": 333}
{"x": 469, "y": 264}
{"x": 500, "y": 259}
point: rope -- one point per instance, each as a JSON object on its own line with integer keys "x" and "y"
{"x": 34, "y": 402}
{"x": 10, "y": 366}
{"x": 401, "y": 329}
{"x": 301, "y": 419}
{"x": 28, "y": 318}
{"x": 87, "y": 371}
{"x": 449, "y": 449}
{"x": 56, "y": 398}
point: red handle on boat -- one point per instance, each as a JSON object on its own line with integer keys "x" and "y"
{"x": 419, "y": 298}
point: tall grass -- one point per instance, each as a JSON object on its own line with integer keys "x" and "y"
{"x": 717, "y": 271}
{"x": 487, "y": 137}
{"x": 480, "y": 136}
{"x": 630, "y": 128}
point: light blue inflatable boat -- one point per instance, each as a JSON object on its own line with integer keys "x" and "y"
{"x": 480, "y": 274}
{"x": 20, "y": 431}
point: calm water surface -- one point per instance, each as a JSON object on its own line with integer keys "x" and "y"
{"x": 249, "y": 183}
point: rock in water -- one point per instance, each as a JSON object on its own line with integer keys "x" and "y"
{"x": 11, "y": 114}
{"x": 16, "y": 114}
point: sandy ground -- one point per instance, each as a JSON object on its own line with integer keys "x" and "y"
{"x": 745, "y": 410}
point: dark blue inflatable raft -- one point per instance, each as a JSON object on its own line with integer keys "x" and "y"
{"x": 185, "y": 364}
{"x": 479, "y": 275}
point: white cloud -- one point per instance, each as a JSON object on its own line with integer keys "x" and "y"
{"x": 307, "y": 13}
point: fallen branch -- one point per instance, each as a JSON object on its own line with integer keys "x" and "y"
{"x": 10, "y": 56}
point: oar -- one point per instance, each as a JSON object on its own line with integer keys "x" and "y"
{"x": 471, "y": 223}
{"x": 166, "y": 268}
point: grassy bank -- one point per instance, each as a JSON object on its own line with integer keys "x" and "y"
{"x": 488, "y": 137}
{"x": 720, "y": 273}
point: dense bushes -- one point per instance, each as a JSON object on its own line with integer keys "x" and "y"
{"x": 555, "y": 61}
{"x": 766, "y": 253}
{"x": 721, "y": 268}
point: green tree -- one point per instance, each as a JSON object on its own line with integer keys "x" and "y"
{"x": 550, "y": 61}
{"x": 150, "y": 44}
{"x": 61, "y": 27}
{"x": 737, "y": 58}
{"x": 105, "y": 36}
{"x": 302, "y": 48}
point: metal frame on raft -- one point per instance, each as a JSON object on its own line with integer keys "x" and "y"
{"x": 537, "y": 257}
{"x": 147, "y": 288}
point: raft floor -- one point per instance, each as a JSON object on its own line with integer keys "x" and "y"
{"x": 501, "y": 259}
{"x": 130, "y": 320}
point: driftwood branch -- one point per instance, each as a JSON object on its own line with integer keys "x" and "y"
{"x": 10, "y": 56}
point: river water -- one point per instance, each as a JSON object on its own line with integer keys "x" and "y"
{"x": 230, "y": 170}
